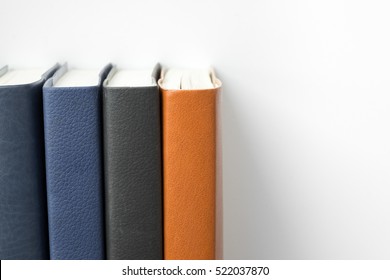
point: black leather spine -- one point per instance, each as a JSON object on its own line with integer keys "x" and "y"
{"x": 132, "y": 168}
{"x": 23, "y": 208}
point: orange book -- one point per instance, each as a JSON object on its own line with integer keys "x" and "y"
{"x": 189, "y": 120}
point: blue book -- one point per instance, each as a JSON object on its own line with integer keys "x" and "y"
{"x": 74, "y": 163}
{"x": 23, "y": 208}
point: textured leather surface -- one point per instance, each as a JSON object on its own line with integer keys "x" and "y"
{"x": 132, "y": 164}
{"x": 23, "y": 212}
{"x": 189, "y": 160}
{"x": 73, "y": 144}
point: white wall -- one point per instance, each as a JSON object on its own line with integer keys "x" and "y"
{"x": 306, "y": 109}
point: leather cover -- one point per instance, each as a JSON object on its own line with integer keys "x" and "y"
{"x": 74, "y": 164}
{"x": 23, "y": 212}
{"x": 189, "y": 158}
{"x": 132, "y": 161}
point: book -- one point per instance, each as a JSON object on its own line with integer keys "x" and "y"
{"x": 190, "y": 101}
{"x": 74, "y": 163}
{"x": 23, "y": 209}
{"x": 132, "y": 162}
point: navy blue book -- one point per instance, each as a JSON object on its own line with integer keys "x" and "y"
{"x": 74, "y": 163}
{"x": 23, "y": 208}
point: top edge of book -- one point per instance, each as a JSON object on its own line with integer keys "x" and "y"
{"x": 189, "y": 79}
{"x": 78, "y": 78}
{"x": 11, "y": 77}
{"x": 131, "y": 78}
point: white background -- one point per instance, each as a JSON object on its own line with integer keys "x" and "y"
{"x": 306, "y": 105}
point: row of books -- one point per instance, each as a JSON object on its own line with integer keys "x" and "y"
{"x": 108, "y": 164}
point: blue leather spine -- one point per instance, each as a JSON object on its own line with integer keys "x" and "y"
{"x": 73, "y": 144}
{"x": 23, "y": 208}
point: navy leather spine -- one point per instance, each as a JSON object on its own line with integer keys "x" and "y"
{"x": 23, "y": 211}
{"x": 73, "y": 144}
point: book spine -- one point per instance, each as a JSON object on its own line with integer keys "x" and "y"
{"x": 72, "y": 122}
{"x": 132, "y": 161}
{"x": 189, "y": 184}
{"x": 23, "y": 212}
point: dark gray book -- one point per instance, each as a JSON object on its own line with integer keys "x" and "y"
{"x": 23, "y": 208}
{"x": 132, "y": 164}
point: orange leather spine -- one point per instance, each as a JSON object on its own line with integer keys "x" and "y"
{"x": 189, "y": 172}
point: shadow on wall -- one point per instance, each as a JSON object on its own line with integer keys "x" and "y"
{"x": 253, "y": 225}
